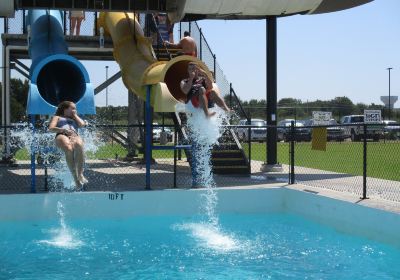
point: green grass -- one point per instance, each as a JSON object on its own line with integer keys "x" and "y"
{"x": 22, "y": 154}
{"x": 383, "y": 159}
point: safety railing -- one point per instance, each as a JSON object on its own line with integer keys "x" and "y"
{"x": 358, "y": 158}
{"x": 316, "y": 156}
{"x": 17, "y": 24}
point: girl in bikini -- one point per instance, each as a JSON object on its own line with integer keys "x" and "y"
{"x": 65, "y": 124}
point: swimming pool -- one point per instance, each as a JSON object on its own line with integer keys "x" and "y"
{"x": 260, "y": 234}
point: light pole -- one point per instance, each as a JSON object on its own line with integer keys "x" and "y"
{"x": 106, "y": 87}
{"x": 390, "y": 110}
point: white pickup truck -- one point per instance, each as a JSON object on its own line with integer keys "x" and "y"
{"x": 354, "y": 128}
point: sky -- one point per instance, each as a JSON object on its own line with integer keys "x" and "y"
{"x": 319, "y": 56}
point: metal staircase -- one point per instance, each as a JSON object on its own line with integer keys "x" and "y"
{"x": 229, "y": 157}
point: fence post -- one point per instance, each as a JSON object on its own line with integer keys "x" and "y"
{"x": 33, "y": 156}
{"x": 65, "y": 23}
{"x": 95, "y": 31}
{"x": 364, "y": 196}
{"x": 201, "y": 45}
{"x": 292, "y": 142}
{"x": 23, "y": 22}
{"x": 46, "y": 178}
{"x": 249, "y": 141}
{"x": 148, "y": 140}
{"x": 215, "y": 67}
{"x": 230, "y": 95}
{"x": 175, "y": 152}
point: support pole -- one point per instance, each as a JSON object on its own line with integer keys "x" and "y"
{"x": 6, "y": 116}
{"x": 390, "y": 109}
{"x": 271, "y": 91}
{"x": 148, "y": 144}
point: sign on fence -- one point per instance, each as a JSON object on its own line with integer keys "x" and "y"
{"x": 319, "y": 137}
{"x": 372, "y": 116}
{"x": 321, "y": 118}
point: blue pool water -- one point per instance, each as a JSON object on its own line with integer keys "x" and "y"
{"x": 264, "y": 246}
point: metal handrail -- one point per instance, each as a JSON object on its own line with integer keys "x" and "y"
{"x": 205, "y": 40}
{"x": 159, "y": 37}
{"x": 232, "y": 91}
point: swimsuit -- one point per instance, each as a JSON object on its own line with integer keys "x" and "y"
{"x": 77, "y": 14}
{"x": 66, "y": 123}
{"x": 194, "y": 92}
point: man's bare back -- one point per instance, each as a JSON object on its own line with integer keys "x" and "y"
{"x": 187, "y": 44}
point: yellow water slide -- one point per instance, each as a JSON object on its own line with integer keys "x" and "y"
{"x": 139, "y": 67}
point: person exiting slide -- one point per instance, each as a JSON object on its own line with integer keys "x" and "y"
{"x": 200, "y": 90}
{"x": 187, "y": 44}
{"x": 65, "y": 124}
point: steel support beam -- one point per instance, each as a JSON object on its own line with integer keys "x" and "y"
{"x": 108, "y": 82}
{"x": 271, "y": 90}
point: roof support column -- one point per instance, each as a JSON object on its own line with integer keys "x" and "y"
{"x": 271, "y": 163}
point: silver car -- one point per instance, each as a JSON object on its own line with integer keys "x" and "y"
{"x": 284, "y": 131}
{"x": 258, "y": 130}
{"x": 391, "y": 129}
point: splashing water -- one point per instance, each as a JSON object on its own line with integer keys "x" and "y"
{"x": 42, "y": 142}
{"x": 63, "y": 237}
{"x": 210, "y": 236}
{"x": 204, "y": 133}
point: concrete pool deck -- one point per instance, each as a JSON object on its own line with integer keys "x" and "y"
{"x": 114, "y": 175}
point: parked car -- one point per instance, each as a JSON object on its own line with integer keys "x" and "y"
{"x": 258, "y": 133}
{"x": 333, "y": 132}
{"x": 301, "y": 134}
{"x": 354, "y": 128}
{"x": 391, "y": 129}
{"x": 157, "y": 132}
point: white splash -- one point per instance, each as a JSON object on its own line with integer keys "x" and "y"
{"x": 210, "y": 236}
{"x": 63, "y": 237}
{"x": 42, "y": 142}
{"x": 204, "y": 133}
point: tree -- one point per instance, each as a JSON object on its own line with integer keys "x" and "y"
{"x": 18, "y": 97}
{"x": 342, "y": 106}
{"x": 290, "y": 108}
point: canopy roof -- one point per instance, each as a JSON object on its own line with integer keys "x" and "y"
{"x": 253, "y": 9}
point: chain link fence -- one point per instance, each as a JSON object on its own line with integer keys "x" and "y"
{"x": 114, "y": 159}
{"x": 206, "y": 54}
{"x": 362, "y": 159}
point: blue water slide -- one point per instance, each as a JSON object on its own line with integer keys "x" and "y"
{"x": 54, "y": 75}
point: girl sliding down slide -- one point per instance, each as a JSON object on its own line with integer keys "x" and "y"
{"x": 65, "y": 124}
